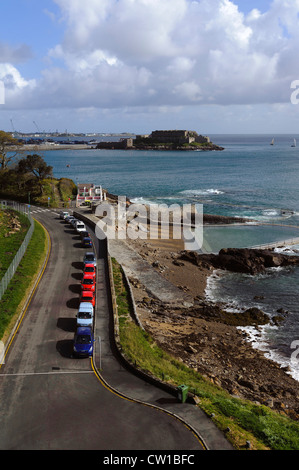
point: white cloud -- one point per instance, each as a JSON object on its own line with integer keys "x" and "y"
{"x": 167, "y": 53}
{"x": 13, "y": 80}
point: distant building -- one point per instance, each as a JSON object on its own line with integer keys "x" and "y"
{"x": 123, "y": 143}
{"x": 178, "y": 137}
{"x": 89, "y": 192}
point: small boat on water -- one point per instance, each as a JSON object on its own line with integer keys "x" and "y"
{"x": 272, "y": 142}
{"x": 294, "y": 143}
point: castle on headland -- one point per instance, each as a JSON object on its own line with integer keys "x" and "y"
{"x": 164, "y": 140}
{"x": 176, "y": 137}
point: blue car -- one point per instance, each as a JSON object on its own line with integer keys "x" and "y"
{"x": 83, "y": 342}
{"x": 86, "y": 242}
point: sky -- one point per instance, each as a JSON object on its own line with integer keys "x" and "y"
{"x": 212, "y": 66}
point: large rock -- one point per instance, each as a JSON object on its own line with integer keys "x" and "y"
{"x": 241, "y": 260}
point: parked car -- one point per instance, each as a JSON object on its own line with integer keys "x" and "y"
{"x": 86, "y": 242}
{"x": 73, "y": 222}
{"x": 90, "y": 258}
{"x": 83, "y": 342}
{"x": 88, "y": 282}
{"x": 84, "y": 233}
{"x": 69, "y": 218}
{"x": 63, "y": 214}
{"x": 90, "y": 269}
{"x": 88, "y": 296}
{"x": 80, "y": 226}
{"x": 85, "y": 314}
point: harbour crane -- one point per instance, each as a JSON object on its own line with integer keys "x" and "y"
{"x": 15, "y": 133}
{"x": 37, "y": 127}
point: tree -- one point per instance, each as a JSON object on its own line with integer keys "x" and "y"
{"x": 7, "y": 142}
{"x": 36, "y": 166}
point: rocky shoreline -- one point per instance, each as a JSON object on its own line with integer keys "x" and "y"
{"x": 206, "y": 336}
{"x": 241, "y": 260}
{"x": 204, "y": 148}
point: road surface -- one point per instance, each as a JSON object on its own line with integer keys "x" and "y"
{"x": 50, "y": 400}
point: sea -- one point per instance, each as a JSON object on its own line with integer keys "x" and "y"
{"x": 253, "y": 177}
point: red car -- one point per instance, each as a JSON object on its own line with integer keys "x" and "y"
{"x": 88, "y": 296}
{"x": 90, "y": 269}
{"x": 88, "y": 282}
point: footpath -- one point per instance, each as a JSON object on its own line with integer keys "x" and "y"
{"x": 120, "y": 379}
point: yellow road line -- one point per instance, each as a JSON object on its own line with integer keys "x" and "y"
{"x": 120, "y": 395}
{"x": 108, "y": 387}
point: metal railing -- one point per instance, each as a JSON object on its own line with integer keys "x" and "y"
{"x": 24, "y": 209}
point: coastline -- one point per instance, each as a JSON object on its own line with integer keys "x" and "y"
{"x": 44, "y": 147}
{"x": 109, "y": 145}
{"x": 206, "y": 337}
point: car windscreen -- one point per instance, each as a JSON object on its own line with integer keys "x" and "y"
{"x": 83, "y": 339}
{"x": 89, "y": 269}
{"x": 88, "y": 281}
{"x": 84, "y": 315}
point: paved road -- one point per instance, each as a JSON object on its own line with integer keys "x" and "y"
{"x": 49, "y": 400}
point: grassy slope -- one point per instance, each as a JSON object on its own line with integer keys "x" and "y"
{"x": 16, "y": 294}
{"x": 10, "y": 240}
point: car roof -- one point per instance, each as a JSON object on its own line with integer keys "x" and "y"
{"x": 87, "y": 293}
{"x": 83, "y": 330}
{"x": 85, "y": 306}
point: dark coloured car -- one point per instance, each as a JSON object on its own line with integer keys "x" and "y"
{"x": 69, "y": 218}
{"x": 90, "y": 258}
{"x": 83, "y": 234}
{"x": 86, "y": 242}
{"x": 83, "y": 342}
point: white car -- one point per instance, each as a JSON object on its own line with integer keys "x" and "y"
{"x": 80, "y": 226}
{"x": 85, "y": 314}
{"x": 63, "y": 214}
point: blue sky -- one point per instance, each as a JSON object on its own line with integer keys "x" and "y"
{"x": 214, "y": 66}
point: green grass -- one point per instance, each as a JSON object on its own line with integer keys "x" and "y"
{"x": 13, "y": 299}
{"x": 10, "y": 243}
{"x": 60, "y": 191}
{"x": 246, "y": 421}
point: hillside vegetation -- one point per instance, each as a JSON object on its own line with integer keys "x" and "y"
{"x": 46, "y": 191}
{"x": 13, "y": 229}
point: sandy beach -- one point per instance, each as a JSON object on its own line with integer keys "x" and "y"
{"x": 204, "y": 336}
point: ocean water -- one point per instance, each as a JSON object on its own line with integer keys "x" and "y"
{"x": 251, "y": 179}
